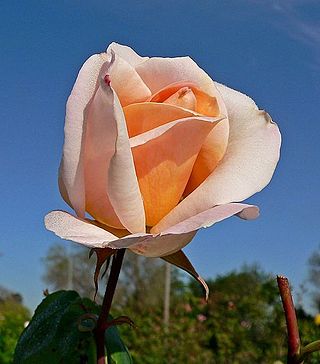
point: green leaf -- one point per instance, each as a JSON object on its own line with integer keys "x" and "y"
{"x": 117, "y": 352}
{"x": 52, "y": 335}
{"x": 61, "y": 331}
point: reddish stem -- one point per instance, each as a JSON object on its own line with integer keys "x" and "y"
{"x": 106, "y": 305}
{"x": 291, "y": 320}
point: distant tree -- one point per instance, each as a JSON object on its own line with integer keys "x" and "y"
{"x": 141, "y": 281}
{"x": 69, "y": 269}
{"x": 245, "y": 318}
{"x": 242, "y": 323}
{"x": 314, "y": 277}
{"x": 13, "y": 317}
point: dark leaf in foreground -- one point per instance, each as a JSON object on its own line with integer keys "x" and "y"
{"x": 62, "y": 331}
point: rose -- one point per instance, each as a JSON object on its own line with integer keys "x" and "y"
{"x": 154, "y": 150}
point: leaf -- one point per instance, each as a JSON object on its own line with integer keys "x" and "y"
{"x": 117, "y": 352}
{"x": 52, "y": 335}
{"x": 61, "y": 332}
{"x": 180, "y": 260}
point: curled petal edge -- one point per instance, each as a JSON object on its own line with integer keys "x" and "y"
{"x": 163, "y": 244}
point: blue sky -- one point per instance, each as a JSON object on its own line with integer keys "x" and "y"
{"x": 266, "y": 49}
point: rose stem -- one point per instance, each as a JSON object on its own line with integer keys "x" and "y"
{"x": 106, "y": 304}
{"x": 291, "y": 320}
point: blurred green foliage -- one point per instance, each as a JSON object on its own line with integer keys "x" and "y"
{"x": 13, "y": 317}
{"x": 242, "y": 323}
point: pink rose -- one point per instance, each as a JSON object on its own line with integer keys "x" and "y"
{"x": 155, "y": 150}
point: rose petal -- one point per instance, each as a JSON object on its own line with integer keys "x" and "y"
{"x": 127, "y": 83}
{"x": 163, "y": 169}
{"x": 247, "y": 167}
{"x": 81, "y": 231}
{"x": 126, "y": 53}
{"x": 215, "y": 145}
{"x": 204, "y": 103}
{"x": 145, "y": 116}
{"x": 183, "y": 98}
{"x": 161, "y": 245}
{"x": 158, "y": 73}
{"x": 176, "y": 237}
{"x": 71, "y": 168}
{"x": 112, "y": 192}
{"x": 72, "y": 228}
{"x": 211, "y": 153}
{"x": 209, "y": 217}
{"x": 69, "y": 227}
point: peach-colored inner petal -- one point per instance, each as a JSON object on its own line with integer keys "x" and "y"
{"x": 184, "y": 97}
{"x": 211, "y": 153}
{"x": 142, "y": 117}
{"x": 164, "y": 165}
{"x": 204, "y": 104}
{"x": 169, "y": 90}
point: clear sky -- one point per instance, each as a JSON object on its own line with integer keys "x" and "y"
{"x": 269, "y": 50}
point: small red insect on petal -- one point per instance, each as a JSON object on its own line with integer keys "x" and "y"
{"x": 107, "y": 79}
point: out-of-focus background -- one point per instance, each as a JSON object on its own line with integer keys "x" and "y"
{"x": 269, "y": 50}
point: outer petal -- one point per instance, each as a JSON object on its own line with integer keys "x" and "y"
{"x": 209, "y": 217}
{"x": 83, "y": 232}
{"x": 247, "y": 167}
{"x": 163, "y": 169}
{"x": 170, "y": 241}
{"x": 109, "y": 168}
{"x": 72, "y": 228}
{"x": 161, "y": 245}
{"x": 71, "y": 168}
{"x": 126, "y": 53}
{"x": 175, "y": 238}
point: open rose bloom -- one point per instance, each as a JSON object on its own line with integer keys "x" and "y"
{"x": 155, "y": 150}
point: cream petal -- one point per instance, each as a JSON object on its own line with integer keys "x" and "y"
{"x": 158, "y": 73}
{"x": 163, "y": 169}
{"x": 169, "y": 242}
{"x": 161, "y": 245}
{"x": 72, "y": 228}
{"x": 109, "y": 170}
{"x": 126, "y": 53}
{"x": 176, "y": 237}
{"x": 247, "y": 167}
{"x": 69, "y": 227}
{"x": 71, "y": 173}
{"x": 209, "y": 217}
